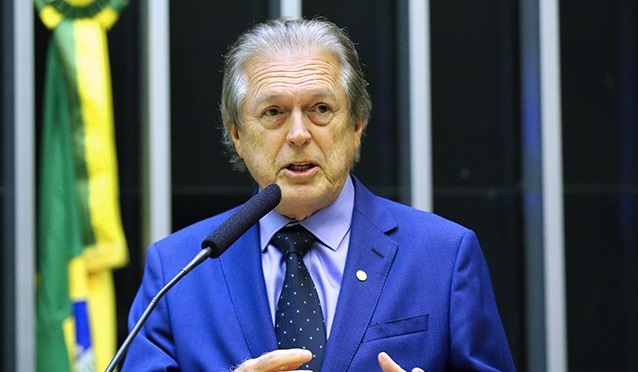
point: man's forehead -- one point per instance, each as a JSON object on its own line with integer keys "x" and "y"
{"x": 311, "y": 74}
{"x": 300, "y": 57}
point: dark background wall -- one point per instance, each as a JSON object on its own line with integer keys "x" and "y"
{"x": 600, "y": 147}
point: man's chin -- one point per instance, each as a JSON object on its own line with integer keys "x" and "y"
{"x": 300, "y": 205}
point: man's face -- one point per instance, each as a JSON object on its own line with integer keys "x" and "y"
{"x": 297, "y": 130}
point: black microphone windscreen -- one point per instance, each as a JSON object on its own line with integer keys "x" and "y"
{"x": 239, "y": 222}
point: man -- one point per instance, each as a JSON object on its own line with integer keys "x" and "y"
{"x": 397, "y": 288}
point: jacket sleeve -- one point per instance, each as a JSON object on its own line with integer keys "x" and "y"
{"x": 478, "y": 340}
{"x": 153, "y": 349}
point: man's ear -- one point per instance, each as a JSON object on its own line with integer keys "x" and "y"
{"x": 233, "y": 131}
{"x": 359, "y": 126}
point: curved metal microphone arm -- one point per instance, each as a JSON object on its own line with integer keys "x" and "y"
{"x": 201, "y": 257}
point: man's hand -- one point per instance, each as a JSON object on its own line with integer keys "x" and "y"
{"x": 388, "y": 365}
{"x": 278, "y": 360}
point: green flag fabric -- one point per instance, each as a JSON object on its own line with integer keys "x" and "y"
{"x": 80, "y": 239}
{"x": 58, "y": 221}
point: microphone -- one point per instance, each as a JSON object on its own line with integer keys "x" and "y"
{"x": 246, "y": 216}
{"x": 212, "y": 247}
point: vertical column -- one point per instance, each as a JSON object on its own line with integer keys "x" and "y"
{"x": 420, "y": 104}
{"x": 543, "y": 186}
{"x": 553, "y": 224}
{"x": 532, "y": 186}
{"x": 290, "y": 8}
{"x": 19, "y": 144}
{"x": 157, "y": 120}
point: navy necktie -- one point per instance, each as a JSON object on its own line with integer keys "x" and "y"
{"x": 298, "y": 319}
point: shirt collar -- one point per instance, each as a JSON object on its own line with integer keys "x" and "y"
{"x": 330, "y": 224}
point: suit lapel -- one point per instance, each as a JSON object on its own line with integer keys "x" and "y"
{"x": 243, "y": 273}
{"x": 372, "y": 252}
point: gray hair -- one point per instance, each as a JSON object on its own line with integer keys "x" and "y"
{"x": 279, "y": 35}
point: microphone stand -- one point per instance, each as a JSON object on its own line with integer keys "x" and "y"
{"x": 201, "y": 257}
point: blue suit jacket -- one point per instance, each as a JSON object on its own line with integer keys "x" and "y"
{"x": 427, "y": 300}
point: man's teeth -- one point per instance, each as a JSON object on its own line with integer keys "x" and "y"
{"x": 300, "y": 167}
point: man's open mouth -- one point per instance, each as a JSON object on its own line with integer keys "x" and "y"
{"x": 300, "y": 167}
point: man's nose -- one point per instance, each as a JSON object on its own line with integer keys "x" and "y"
{"x": 298, "y": 133}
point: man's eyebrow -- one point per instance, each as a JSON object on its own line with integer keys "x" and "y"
{"x": 266, "y": 98}
{"x": 326, "y": 93}
{"x": 274, "y": 96}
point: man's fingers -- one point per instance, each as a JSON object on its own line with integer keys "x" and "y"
{"x": 387, "y": 364}
{"x": 277, "y": 360}
{"x": 284, "y": 360}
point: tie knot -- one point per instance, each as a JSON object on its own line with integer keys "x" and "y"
{"x": 293, "y": 239}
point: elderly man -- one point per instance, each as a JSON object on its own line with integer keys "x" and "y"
{"x": 335, "y": 278}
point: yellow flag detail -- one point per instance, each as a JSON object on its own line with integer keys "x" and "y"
{"x": 93, "y": 77}
{"x": 109, "y": 248}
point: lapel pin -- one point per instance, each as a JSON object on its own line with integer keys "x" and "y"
{"x": 361, "y": 275}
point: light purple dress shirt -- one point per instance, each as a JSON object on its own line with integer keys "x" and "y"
{"x": 325, "y": 260}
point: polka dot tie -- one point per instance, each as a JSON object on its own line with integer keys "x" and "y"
{"x": 299, "y": 320}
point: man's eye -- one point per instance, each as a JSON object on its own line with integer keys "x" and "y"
{"x": 273, "y": 111}
{"x": 322, "y": 109}
{"x": 321, "y": 114}
{"x": 272, "y": 117}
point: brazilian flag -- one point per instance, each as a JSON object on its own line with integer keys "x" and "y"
{"x": 80, "y": 239}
